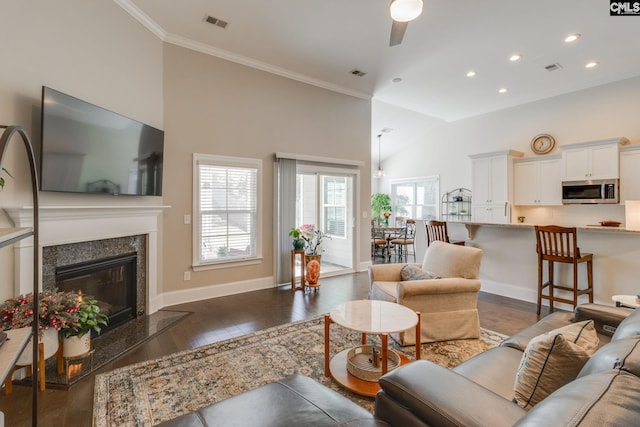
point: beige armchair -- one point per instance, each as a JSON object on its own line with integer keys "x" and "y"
{"x": 448, "y": 306}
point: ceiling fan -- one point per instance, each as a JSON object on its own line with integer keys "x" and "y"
{"x": 402, "y": 11}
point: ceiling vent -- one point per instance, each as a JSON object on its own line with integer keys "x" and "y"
{"x": 215, "y": 21}
{"x": 553, "y": 67}
{"x": 358, "y": 73}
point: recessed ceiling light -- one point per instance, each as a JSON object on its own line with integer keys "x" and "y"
{"x": 396, "y": 80}
{"x": 591, "y": 64}
{"x": 571, "y": 38}
{"x": 471, "y": 73}
{"x": 515, "y": 57}
{"x": 502, "y": 90}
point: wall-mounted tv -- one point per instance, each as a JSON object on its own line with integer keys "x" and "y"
{"x": 87, "y": 149}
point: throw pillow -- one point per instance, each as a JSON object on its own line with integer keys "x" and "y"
{"x": 552, "y": 360}
{"x": 413, "y": 272}
{"x": 548, "y": 363}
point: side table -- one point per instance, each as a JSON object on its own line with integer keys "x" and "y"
{"x": 295, "y": 253}
{"x": 630, "y": 301}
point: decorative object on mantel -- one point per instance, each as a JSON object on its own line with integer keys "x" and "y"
{"x": 543, "y": 143}
{"x": 632, "y": 215}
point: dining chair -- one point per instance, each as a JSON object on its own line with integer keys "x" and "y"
{"x": 560, "y": 244}
{"x": 378, "y": 243}
{"x": 404, "y": 240}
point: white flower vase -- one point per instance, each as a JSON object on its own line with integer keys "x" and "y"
{"x": 76, "y": 346}
{"x": 50, "y": 339}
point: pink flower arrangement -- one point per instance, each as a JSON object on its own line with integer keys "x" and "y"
{"x": 312, "y": 238}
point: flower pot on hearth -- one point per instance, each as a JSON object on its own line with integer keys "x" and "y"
{"x": 49, "y": 338}
{"x": 76, "y": 345}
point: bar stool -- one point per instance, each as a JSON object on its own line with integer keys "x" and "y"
{"x": 559, "y": 244}
{"x": 437, "y": 230}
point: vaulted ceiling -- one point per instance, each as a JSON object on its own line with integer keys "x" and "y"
{"x": 322, "y": 42}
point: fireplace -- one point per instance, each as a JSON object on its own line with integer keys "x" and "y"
{"x": 112, "y": 271}
{"x": 110, "y": 281}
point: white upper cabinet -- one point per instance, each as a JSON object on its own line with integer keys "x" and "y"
{"x": 629, "y": 175}
{"x": 538, "y": 182}
{"x": 492, "y": 186}
{"x": 592, "y": 160}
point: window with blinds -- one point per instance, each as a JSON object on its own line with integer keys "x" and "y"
{"x": 227, "y": 208}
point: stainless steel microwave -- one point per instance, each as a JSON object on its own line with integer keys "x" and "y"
{"x": 590, "y": 192}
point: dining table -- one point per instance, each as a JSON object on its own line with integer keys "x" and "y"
{"x": 388, "y": 233}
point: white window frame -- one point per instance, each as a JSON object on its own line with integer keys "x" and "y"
{"x": 344, "y": 206}
{"x": 414, "y": 182}
{"x": 224, "y": 161}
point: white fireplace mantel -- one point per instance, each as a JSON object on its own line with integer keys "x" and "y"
{"x": 61, "y": 225}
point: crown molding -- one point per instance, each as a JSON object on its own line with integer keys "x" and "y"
{"x": 162, "y": 34}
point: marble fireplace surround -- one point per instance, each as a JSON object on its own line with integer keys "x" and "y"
{"x": 62, "y": 225}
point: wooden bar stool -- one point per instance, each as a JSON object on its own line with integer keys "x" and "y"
{"x": 559, "y": 244}
{"x": 437, "y": 230}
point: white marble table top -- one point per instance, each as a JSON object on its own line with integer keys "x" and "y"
{"x": 374, "y": 317}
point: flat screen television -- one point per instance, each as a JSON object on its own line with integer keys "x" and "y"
{"x": 87, "y": 149}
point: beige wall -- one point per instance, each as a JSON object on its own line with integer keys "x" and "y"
{"x": 213, "y": 106}
{"x": 92, "y": 50}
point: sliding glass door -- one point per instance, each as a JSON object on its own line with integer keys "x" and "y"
{"x": 325, "y": 198}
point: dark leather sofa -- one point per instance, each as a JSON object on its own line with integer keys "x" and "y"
{"x": 478, "y": 392}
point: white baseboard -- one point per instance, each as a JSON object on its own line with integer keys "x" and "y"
{"x": 363, "y": 266}
{"x": 523, "y": 294}
{"x": 167, "y": 299}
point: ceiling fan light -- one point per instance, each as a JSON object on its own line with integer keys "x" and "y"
{"x": 405, "y": 10}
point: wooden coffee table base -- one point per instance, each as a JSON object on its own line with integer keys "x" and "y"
{"x": 336, "y": 366}
{"x": 338, "y": 371}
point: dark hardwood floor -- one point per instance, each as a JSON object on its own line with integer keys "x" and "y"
{"x": 227, "y": 317}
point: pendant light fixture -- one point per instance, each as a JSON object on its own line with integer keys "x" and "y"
{"x": 405, "y": 10}
{"x": 379, "y": 173}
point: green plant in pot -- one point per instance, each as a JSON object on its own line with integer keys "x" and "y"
{"x": 2, "y": 181}
{"x": 77, "y": 337}
{"x": 298, "y": 241}
{"x": 380, "y": 202}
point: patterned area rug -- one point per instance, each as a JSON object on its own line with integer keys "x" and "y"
{"x": 150, "y": 392}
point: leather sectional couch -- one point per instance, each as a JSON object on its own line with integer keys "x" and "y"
{"x": 478, "y": 392}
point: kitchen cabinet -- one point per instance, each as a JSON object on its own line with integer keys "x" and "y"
{"x": 493, "y": 186}
{"x": 629, "y": 175}
{"x": 538, "y": 182}
{"x": 592, "y": 160}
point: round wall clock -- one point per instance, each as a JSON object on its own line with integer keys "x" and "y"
{"x": 543, "y": 143}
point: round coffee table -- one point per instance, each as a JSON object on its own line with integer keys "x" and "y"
{"x": 368, "y": 317}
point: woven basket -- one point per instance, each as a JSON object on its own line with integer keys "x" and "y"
{"x": 360, "y": 365}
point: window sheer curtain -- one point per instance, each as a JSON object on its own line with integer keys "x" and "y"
{"x": 285, "y": 217}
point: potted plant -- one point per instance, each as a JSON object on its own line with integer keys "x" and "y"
{"x": 57, "y": 311}
{"x": 313, "y": 240}
{"x": 76, "y": 337}
{"x": 298, "y": 242}
{"x": 380, "y": 202}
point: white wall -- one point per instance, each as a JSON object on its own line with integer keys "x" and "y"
{"x": 509, "y": 263}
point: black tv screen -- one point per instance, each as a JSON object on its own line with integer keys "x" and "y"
{"x": 87, "y": 149}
